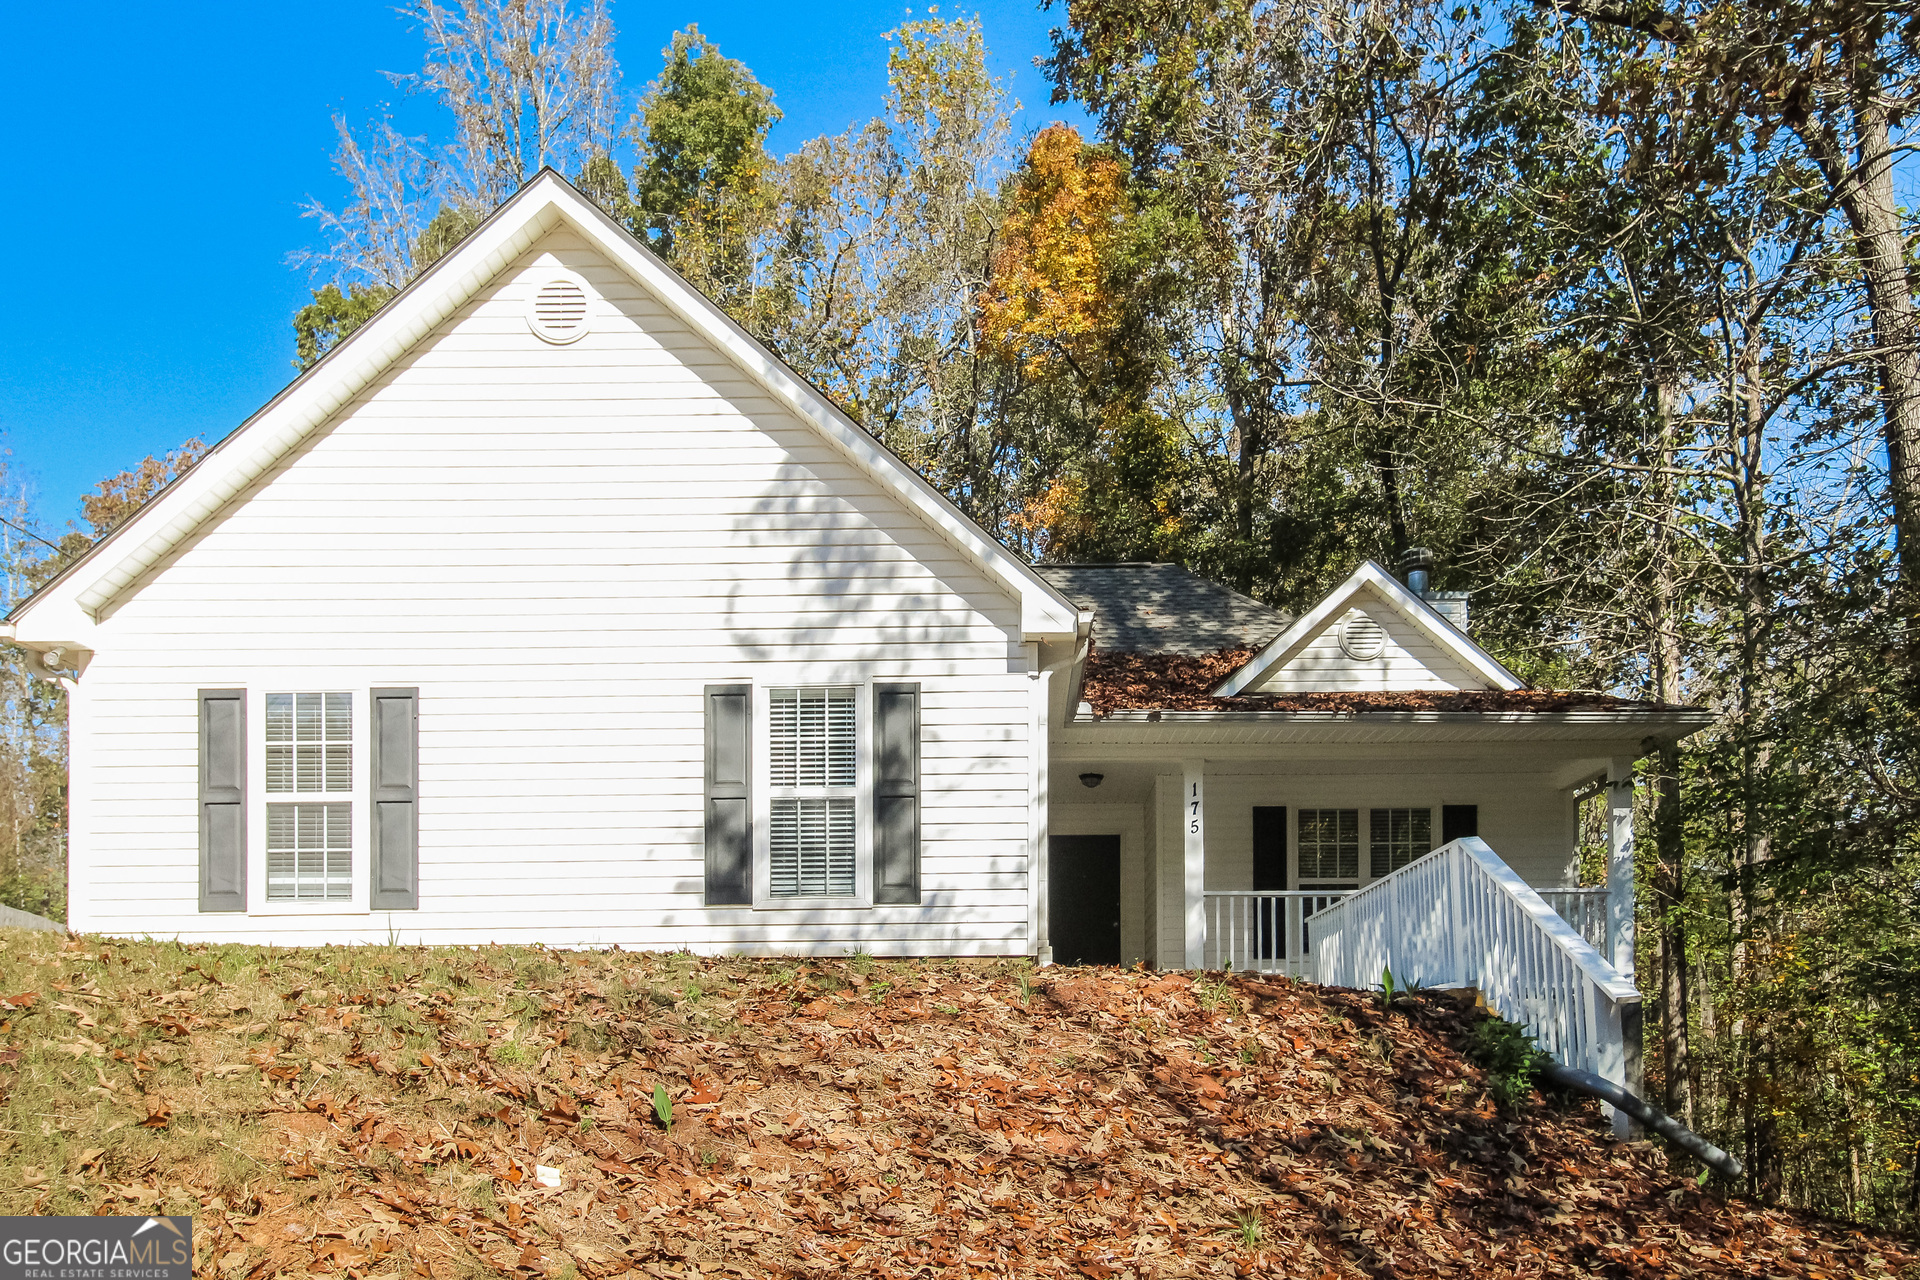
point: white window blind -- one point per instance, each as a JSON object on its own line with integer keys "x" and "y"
{"x": 309, "y": 742}
{"x": 309, "y": 852}
{"x": 1399, "y": 836}
{"x": 1329, "y": 847}
{"x": 812, "y": 762}
{"x": 309, "y": 752}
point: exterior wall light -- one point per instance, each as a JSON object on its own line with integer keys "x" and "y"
{"x": 1092, "y": 779}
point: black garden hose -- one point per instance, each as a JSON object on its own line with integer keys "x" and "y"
{"x": 1647, "y": 1114}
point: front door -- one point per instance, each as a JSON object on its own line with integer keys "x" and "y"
{"x": 1083, "y": 899}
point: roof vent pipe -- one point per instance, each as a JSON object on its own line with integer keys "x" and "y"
{"x": 1415, "y": 564}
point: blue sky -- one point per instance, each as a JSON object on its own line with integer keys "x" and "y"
{"x": 156, "y": 158}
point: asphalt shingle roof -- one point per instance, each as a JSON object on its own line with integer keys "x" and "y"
{"x": 1163, "y": 609}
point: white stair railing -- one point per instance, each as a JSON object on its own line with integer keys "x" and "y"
{"x": 1584, "y": 909}
{"x": 1263, "y": 931}
{"x": 1462, "y": 917}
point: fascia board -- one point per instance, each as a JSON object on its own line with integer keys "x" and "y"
{"x": 1415, "y": 610}
{"x": 1044, "y": 613}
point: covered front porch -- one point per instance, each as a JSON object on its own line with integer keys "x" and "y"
{"x": 1207, "y": 839}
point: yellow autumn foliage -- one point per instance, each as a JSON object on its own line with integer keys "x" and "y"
{"x": 1046, "y": 297}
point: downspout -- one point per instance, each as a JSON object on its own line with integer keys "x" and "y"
{"x": 1648, "y": 1115}
{"x": 1040, "y": 796}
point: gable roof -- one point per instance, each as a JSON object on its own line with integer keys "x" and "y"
{"x": 1372, "y": 583}
{"x": 1141, "y": 607}
{"x": 80, "y": 595}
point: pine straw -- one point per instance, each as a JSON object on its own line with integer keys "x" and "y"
{"x": 381, "y": 1112}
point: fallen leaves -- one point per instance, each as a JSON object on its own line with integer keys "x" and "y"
{"x": 661, "y": 1116}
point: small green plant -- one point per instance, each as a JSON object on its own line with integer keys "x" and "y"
{"x": 1217, "y": 997}
{"x": 709, "y": 1157}
{"x": 862, "y": 962}
{"x": 1386, "y": 988}
{"x": 1509, "y": 1056}
{"x": 951, "y": 1010}
{"x": 511, "y": 1053}
{"x": 1249, "y": 1225}
{"x": 1248, "y": 1054}
{"x": 1024, "y": 980}
{"x": 662, "y": 1106}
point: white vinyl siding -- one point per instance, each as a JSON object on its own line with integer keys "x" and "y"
{"x": 561, "y": 546}
{"x": 1408, "y": 658}
{"x": 813, "y": 756}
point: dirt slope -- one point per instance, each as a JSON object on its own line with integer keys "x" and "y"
{"x": 387, "y": 1112}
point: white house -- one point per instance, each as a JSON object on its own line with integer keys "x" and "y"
{"x": 552, "y": 607}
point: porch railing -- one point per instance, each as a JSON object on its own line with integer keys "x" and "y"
{"x": 1460, "y": 916}
{"x": 1263, "y": 931}
{"x": 1584, "y": 909}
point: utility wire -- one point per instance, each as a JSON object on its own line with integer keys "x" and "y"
{"x": 31, "y": 534}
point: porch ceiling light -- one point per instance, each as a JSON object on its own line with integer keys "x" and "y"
{"x": 1092, "y": 779}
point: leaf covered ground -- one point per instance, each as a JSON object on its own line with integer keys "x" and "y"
{"x": 398, "y": 1112}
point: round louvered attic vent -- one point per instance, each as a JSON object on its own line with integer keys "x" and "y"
{"x": 559, "y": 310}
{"x": 1361, "y": 638}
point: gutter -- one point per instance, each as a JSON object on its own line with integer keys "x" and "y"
{"x": 1137, "y": 716}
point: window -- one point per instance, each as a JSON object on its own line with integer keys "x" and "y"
{"x": 1329, "y": 848}
{"x": 812, "y": 753}
{"x": 309, "y": 753}
{"x": 1399, "y": 836}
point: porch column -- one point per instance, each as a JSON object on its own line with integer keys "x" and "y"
{"x": 1193, "y": 827}
{"x": 1620, "y": 865}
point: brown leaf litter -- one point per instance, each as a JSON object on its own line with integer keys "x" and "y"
{"x": 1185, "y": 682}
{"x": 398, "y": 1112}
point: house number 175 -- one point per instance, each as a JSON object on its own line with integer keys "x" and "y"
{"x": 1193, "y": 807}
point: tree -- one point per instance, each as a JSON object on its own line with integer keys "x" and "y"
{"x": 1840, "y": 78}
{"x": 526, "y": 83}
{"x": 1346, "y": 303}
{"x": 702, "y": 126}
{"x": 119, "y": 496}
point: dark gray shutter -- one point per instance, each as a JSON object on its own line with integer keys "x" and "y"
{"x": 896, "y": 793}
{"x": 729, "y": 803}
{"x": 394, "y": 834}
{"x": 223, "y": 799}
{"x": 1269, "y": 847}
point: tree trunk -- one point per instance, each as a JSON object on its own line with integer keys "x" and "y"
{"x": 1747, "y": 435}
{"x": 1669, "y": 819}
{"x": 1864, "y": 190}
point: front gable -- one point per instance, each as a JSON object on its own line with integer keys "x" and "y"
{"x": 1370, "y": 634}
{"x": 544, "y": 234}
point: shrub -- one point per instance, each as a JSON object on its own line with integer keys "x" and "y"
{"x": 1509, "y": 1056}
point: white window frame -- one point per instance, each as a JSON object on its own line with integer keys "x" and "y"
{"x": 1300, "y": 878}
{"x": 760, "y": 748}
{"x": 258, "y": 798}
{"x": 1366, "y": 837}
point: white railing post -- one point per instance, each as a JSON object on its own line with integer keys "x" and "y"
{"x": 1456, "y": 918}
{"x": 1193, "y": 828}
{"x": 1619, "y": 951}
